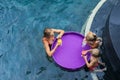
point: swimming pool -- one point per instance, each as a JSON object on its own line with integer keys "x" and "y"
{"x": 22, "y": 56}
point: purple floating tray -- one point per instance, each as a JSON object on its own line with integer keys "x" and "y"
{"x": 68, "y": 55}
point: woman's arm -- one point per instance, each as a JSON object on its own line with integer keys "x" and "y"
{"x": 47, "y": 49}
{"x": 59, "y": 31}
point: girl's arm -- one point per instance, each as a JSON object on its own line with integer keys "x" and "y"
{"x": 95, "y": 45}
{"x": 59, "y": 31}
{"x": 47, "y": 48}
{"x": 84, "y": 52}
{"x": 87, "y": 63}
{"x": 101, "y": 63}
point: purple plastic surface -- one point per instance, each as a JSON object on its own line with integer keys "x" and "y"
{"x": 68, "y": 55}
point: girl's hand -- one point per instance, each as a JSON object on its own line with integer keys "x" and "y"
{"x": 57, "y": 44}
{"x": 85, "y": 57}
{"x": 84, "y": 52}
{"x": 59, "y": 41}
{"x": 59, "y": 37}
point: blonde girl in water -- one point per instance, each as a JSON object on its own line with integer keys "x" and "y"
{"x": 92, "y": 40}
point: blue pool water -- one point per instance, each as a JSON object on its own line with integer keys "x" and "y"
{"x": 22, "y": 56}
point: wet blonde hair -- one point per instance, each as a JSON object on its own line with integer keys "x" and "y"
{"x": 91, "y": 36}
{"x": 95, "y": 52}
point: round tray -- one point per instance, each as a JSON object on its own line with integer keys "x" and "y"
{"x": 68, "y": 55}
